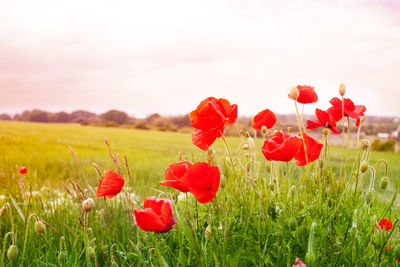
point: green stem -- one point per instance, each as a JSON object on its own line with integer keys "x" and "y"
{"x": 26, "y": 238}
{"x": 86, "y": 239}
{"x": 301, "y": 132}
{"x": 4, "y": 245}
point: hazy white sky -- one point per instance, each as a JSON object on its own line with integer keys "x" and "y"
{"x": 166, "y": 55}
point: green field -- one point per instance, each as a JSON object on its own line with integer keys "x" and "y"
{"x": 249, "y": 221}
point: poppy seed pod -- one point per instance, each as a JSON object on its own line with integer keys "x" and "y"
{"x": 364, "y": 166}
{"x": 289, "y": 129}
{"x": 293, "y": 223}
{"x": 88, "y": 204}
{"x": 384, "y": 182}
{"x": 40, "y": 228}
{"x": 369, "y": 197}
{"x": 264, "y": 129}
{"x": 342, "y": 89}
{"x": 325, "y": 131}
{"x": 245, "y": 147}
{"x": 3, "y": 211}
{"x": 208, "y": 232}
{"x": 396, "y": 251}
{"x": 294, "y": 93}
{"x": 12, "y": 253}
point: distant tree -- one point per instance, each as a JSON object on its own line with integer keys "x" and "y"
{"x": 117, "y": 116}
{"x": 151, "y": 119}
{"x": 39, "y": 116}
{"x": 5, "y": 117}
{"x": 60, "y": 117}
{"x": 81, "y": 116}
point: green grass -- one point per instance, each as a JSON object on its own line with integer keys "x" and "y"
{"x": 250, "y": 223}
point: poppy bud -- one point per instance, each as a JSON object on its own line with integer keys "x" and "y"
{"x": 264, "y": 129}
{"x": 369, "y": 197}
{"x": 88, "y": 204}
{"x": 222, "y": 181}
{"x": 241, "y": 133}
{"x": 342, "y": 89}
{"x": 289, "y": 129}
{"x": 384, "y": 182}
{"x": 364, "y": 145}
{"x": 3, "y": 211}
{"x": 61, "y": 258}
{"x": 293, "y": 223}
{"x": 310, "y": 257}
{"x": 91, "y": 252}
{"x": 245, "y": 147}
{"x": 301, "y": 205}
{"x": 40, "y": 228}
{"x": 364, "y": 166}
{"x": 325, "y": 131}
{"x": 208, "y": 232}
{"x": 396, "y": 251}
{"x": 321, "y": 163}
{"x": 294, "y": 93}
{"x": 271, "y": 186}
{"x": 12, "y": 253}
{"x": 268, "y": 167}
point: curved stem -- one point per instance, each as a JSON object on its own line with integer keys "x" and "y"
{"x": 14, "y": 241}
{"x": 386, "y": 165}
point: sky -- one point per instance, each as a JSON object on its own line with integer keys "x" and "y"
{"x": 166, "y": 56}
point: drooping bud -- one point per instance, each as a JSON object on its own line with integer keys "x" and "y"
{"x": 3, "y": 210}
{"x": 369, "y": 197}
{"x": 384, "y": 182}
{"x": 289, "y": 129}
{"x": 88, "y": 204}
{"x": 264, "y": 129}
{"x": 364, "y": 145}
{"x": 12, "y": 253}
{"x": 301, "y": 205}
{"x": 293, "y": 223}
{"x": 208, "y": 232}
{"x": 40, "y": 228}
{"x": 325, "y": 131}
{"x": 342, "y": 89}
{"x": 245, "y": 147}
{"x": 364, "y": 166}
{"x": 294, "y": 93}
{"x": 310, "y": 256}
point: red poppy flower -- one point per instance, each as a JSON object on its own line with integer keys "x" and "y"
{"x": 350, "y": 110}
{"x": 384, "y": 224}
{"x": 280, "y": 146}
{"x": 202, "y": 181}
{"x": 264, "y": 118}
{"x": 313, "y": 148}
{"x": 23, "y": 170}
{"x": 209, "y": 119}
{"x": 324, "y": 119}
{"x": 174, "y": 175}
{"x": 307, "y": 94}
{"x": 156, "y": 215}
{"x": 110, "y": 185}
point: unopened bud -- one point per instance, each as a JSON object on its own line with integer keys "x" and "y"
{"x": 301, "y": 205}
{"x": 268, "y": 166}
{"x": 241, "y": 133}
{"x": 91, "y": 252}
{"x": 321, "y": 163}
{"x": 364, "y": 166}
{"x": 293, "y": 223}
{"x": 364, "y": 145}
{"x": 245, "y": 147}
{"x": 294, "y": 93}
{"x": 289, "y": 129}
{"x": 310, "y": 257}
{"x": 222, "y": 181}
{"x": 342, "y": 89}
{"x": 325, "y": 131}
{"x": 264, "y": 129}
{"x": 271, "y": 186}
{"x": 396, "y": 251}
{"x": 40, "y": 228}
{"x": 88, "y": 204}
{"x": 384, "y": 182}
{"x": 369, "y": 197}
{"x": 12, "y": 253}
{"x": 3, "y": 211}
{"x": 208, "y": 232}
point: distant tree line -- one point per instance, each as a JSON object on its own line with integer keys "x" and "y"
{"x": 181, "y": 123}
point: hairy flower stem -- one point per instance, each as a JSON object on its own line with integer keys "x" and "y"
{"x": 301, "y": 132}
{"x": 14, "y": 242}
{"x": 26, "y": 237}
{"x": 342, "y": 149}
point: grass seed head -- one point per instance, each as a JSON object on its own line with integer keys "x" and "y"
{"x": 208, "y": 232}
{"x": 88, "y": 204}
{"x": 12, "y": 253}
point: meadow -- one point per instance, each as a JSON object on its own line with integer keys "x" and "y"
{"x": 248, "y": 223}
